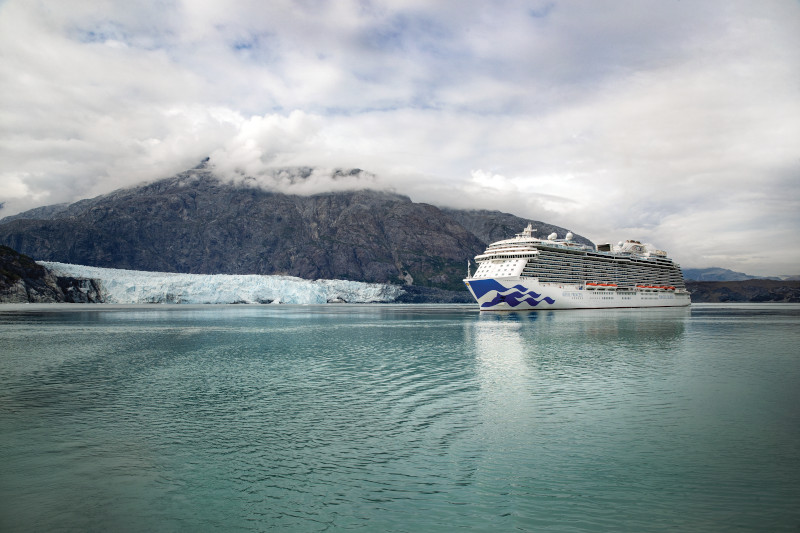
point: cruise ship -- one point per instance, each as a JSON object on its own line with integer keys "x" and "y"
{"x": 526, "y": 272}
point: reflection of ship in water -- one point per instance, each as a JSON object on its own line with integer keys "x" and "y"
{"x": 528, "y": 362}
{"x": 516, "y": 335}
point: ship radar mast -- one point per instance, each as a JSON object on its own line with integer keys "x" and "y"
{"x": 527, "y": 233}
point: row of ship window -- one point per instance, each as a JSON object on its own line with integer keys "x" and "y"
{"x": 607, "y": 266}
{"x": 556, "y": 269}
{"x": 603, "y": 263}
{"x": 588, "y": 272}
{"x": 618, "y": 262}
{"x": 621, "y": 275}
{"x": 633, "y": 272}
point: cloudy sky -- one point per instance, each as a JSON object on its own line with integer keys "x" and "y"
{"x": 672, "y": 121}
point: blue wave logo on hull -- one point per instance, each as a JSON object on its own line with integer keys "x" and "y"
{"x": 517, "y": 296}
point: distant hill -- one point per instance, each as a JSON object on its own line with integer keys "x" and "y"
{"x": 194, "y": 223}
{"x": 753, "y": 290}
{"x": 717, "y": 274}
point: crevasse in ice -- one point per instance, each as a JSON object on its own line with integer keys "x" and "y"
{"x": 136, "y": 286}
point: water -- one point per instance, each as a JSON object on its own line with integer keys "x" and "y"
{"x": 399, "y": 418}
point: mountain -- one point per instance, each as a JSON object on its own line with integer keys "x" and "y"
{"x": 717, "y": 274}
{"x": 195, "y": 223}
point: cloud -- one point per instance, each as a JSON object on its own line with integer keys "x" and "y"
{"x": 672, "y": 122}
{"x": 265, "y": 142}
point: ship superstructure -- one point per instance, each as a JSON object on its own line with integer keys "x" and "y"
{"x": 527, "y": 272}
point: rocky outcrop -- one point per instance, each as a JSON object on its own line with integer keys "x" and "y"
{"x": 193, "y": 223}
{"x": 752, "y": 290}
{"x": 24, "y": 281}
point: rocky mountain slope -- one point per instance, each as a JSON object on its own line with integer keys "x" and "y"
{"x": 193, "y": 223}
{"x": 22, "y": 280}
{"x": 491, "y": 226}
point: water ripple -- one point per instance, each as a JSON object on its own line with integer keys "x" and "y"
{"x": 398, "y": 419}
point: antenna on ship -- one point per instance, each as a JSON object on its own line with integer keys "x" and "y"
{"x": 469, "y": 275}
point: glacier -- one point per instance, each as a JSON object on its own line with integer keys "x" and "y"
{"x": 137, "y": 286}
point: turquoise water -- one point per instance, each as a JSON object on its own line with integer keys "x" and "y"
{"x": 399, "y": 418}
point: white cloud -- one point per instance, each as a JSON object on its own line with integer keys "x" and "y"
{"x": 673, "y": 122}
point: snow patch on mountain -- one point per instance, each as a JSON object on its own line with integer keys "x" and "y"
{"x": 137, "y": 286}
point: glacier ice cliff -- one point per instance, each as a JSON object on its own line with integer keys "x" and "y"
{"x": 136, "y": 286}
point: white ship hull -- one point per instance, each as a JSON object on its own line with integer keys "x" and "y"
{"x": 519, "y": 293}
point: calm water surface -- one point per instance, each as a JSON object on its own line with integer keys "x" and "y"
{"x": 399, "y": 418}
